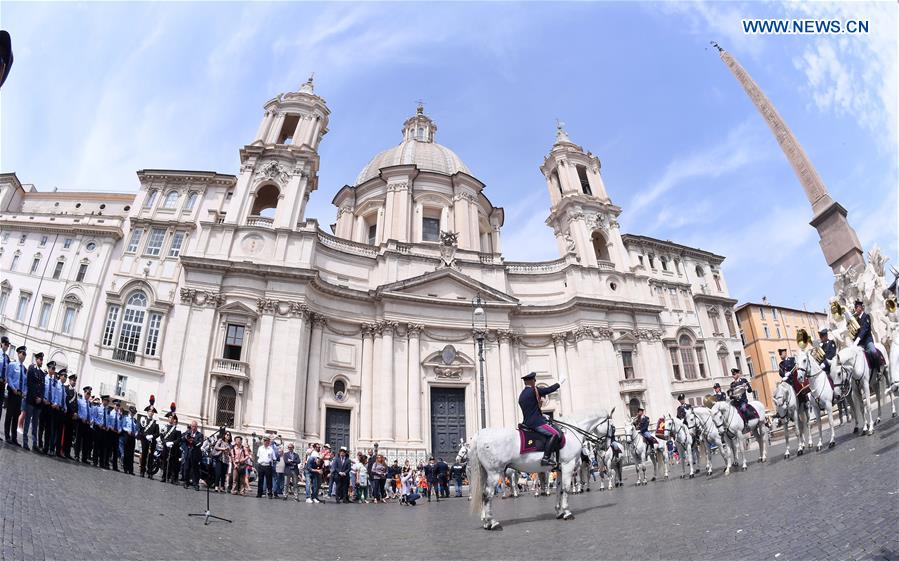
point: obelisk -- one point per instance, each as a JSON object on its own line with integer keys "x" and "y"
{"x": 838, "y": 240}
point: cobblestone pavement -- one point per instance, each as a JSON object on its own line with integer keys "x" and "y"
{"x": 839, "y": 504}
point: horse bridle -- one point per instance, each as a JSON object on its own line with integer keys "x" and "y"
{"x": 587, "y": 435}
{"x": 786, "y": 405}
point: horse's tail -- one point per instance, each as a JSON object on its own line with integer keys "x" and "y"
{"x": 477, "y": 476}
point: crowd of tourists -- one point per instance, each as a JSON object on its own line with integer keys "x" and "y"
{"x": 43, "y": 405}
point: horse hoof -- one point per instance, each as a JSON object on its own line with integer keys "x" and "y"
{"x": 568, "y": 516}
{"x": 855, "y": 430}
{"x": 894, "y": 415}
{"x": 494, "y": 526}
{"x": 653, "y": 478}
{"x": 818, "y": 448}
{"x": 691, "y": 476}
{"x": 832, "y": 444}
{"x": 560, "y": 515}
{"x": 798, "y": 453}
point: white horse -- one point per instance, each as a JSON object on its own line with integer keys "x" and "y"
{"x": 821, "y": 394}
{"x": 787, "y": 408}
{"x": 493, "y": 450}
{"x": 851, "y": 363}
{"x": 643, "y": 452}
{"x": 514, "y": 478}
{"x": 731, "y": 426}
{"x": 699, "y": 421}
{"x": 611, "y": 468}
{"x": 588, "y": 454}
{"x": 683, "y": 440}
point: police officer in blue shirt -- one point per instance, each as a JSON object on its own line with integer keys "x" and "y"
{"x": 114, "y": 425}
{"x": 101, "y": 435}
{"x": 16, "y": 391}
{"x": 58, "y": 413}
{"x": 128, "y": 439}
{"x": 70, "y": 420}
{"x": 4, "y": 364}
{"x": 84, "y": 439}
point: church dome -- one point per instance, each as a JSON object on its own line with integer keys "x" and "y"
{"x": 418, "y": 148}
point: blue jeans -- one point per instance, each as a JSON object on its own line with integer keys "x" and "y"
{"x": 307, "y": 475}
{"x": 458, "y": 482}
{"x": 32, "y": 416}
{"x": 279, "y": 484}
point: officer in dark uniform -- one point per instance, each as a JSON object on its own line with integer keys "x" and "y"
{"x": 529, "y": 402}
{"x": 148, "y": 432}
{"x": 71, "y": 419}
{"x": 641, "y": 422}
{"x": 787, "y": 365}
{"x": 48, "y": 409}
{"x": 34, "y": 399}
{"x": 171, "y": 454}
{"x": 739, "y": 389}
{"x": 830, "y": 349}
{"x": 719, "y": 395}
{"x": 683, "y": 407}
{"x": 865, "y": 338}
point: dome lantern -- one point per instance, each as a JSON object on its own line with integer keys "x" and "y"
{"x": 419, "y": 127}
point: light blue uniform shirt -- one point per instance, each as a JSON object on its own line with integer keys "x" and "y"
{"x": 17, "y": 376}
{"x": 58, "y": 395}
{"x": 84, "y": 410}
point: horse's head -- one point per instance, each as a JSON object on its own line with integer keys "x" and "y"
{"x": 669, "y": 425}
{"x": 803, "y": 365}
{"x": 780, "y": 396}
{"x": 718, "y": 411}
{"x": 462, "y": 456}
{"x": 690, "y": 418}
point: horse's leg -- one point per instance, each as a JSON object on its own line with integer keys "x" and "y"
{"x": 786, "y": 425}
{"x": 489, "y": 490}
{"x": 870, "y": 412}
{"x": 564, "y": 488}
{"x": 833, "y": 432}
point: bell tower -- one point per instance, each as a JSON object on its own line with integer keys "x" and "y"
{"x": 279, "y": 169}
{"x": 582, "y": 216}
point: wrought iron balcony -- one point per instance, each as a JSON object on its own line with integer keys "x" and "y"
{"x": 124, "y": 356}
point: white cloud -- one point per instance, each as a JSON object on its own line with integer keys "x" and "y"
{"x": 735, "y": 151}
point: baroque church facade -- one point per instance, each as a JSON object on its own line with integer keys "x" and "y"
{"x": 217, "y": 292}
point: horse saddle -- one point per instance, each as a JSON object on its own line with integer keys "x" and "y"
{"x": 533, "y": 441}
{"x": 875, "y": 360}
{"x": 801, "y": 388}
{"x": 747, "y": 411}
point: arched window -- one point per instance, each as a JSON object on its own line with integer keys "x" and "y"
{"x": 224, "y": 412}
{"x": 699, "y": 272}
{"x": 731, "y": 329}
{"x": 151, "y": 198}
{"x": 171, "y": 200}
{"x": 132, "y": 326}
{"x": 687, "y": 357}
{"x": 266, "y": 202}
{"x": 664, "y": 261}
{"x": 191, "y": 200}
{"x": 600, "y": 247}
{"x": 554, "y": 178}
{"x": 632, "y": 406}
{"x": 716, "y": 327}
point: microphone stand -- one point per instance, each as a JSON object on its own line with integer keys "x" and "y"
{"x": 208, "y": 514}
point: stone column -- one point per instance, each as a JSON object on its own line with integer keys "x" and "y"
{"x": 275, "y": 129}
{"x": 302, "y": 371}
{"x": 559, "y": 340}
{"x": 380, "y": 235}
{"x": 313, "y": 379}
{"x": 385, "y": 382}
{"x": 263, "y": 125}
{"x": 590, "y": 393}
{"x": 460, "y": 216}
{"x": 415, "y": 397}
{"x": 366, "y": 388}
{"x": 507, "y": 379}
{"x": 474, "y": 224}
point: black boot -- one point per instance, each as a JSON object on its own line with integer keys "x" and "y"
{"x": 548, "y": 451}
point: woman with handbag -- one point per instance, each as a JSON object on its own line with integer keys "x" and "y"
{"x": 239, "y": 458}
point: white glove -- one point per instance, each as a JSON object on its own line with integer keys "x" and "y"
{"x": 169, "y": 444}
{"x": 857, "y": 339}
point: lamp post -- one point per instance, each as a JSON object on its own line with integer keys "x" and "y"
{"x": 479, "y": 330}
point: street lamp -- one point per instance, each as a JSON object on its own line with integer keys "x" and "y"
{"x": 479, "y": 330}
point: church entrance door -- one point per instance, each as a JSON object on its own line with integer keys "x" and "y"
{"x": 447, "y": 421}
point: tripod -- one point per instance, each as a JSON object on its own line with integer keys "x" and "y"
{"x": 207, "y": 515}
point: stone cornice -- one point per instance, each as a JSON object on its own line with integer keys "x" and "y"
{"x": 714, "y": 299}
{"x": 66, "y": 224}
{"x": 183, "y": 176}
{"x": 664, "y": 246}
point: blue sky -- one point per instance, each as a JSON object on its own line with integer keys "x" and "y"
{"x": 100, "y": 90}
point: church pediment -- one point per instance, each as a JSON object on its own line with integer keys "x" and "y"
{"x": 238, "y": 308}
{"x": 445, "y": 284}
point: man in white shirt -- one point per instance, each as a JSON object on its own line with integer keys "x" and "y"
{"x": 265, "y": 456}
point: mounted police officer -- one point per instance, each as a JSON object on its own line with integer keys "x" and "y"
{"x": 641, "y": 422}
{"x": 864, "y": 338}
{"x": 739, "y": 389}
{"x": 683, "y": 406}
{"x": 786, "y": 366}
{"x": 830, "y": 349}
{"x": 719, "y": 395}
{"x": 529, "y": 402}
